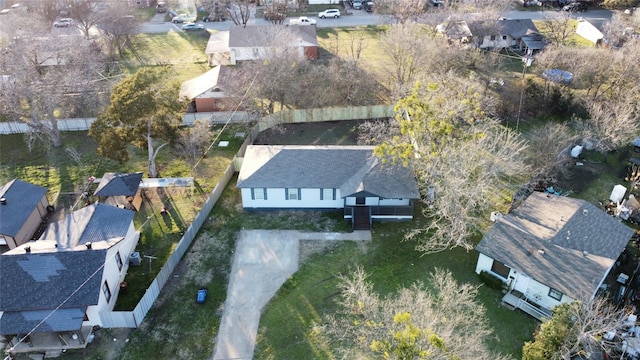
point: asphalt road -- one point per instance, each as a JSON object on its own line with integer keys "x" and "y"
{"x": 361, "y": 17}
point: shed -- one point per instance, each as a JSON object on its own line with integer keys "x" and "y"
{"x": 23, "y": 207}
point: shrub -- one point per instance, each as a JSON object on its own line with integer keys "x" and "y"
{"x": 491, "y": 281}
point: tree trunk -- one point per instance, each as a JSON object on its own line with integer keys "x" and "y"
{"x": 153, "y": 173}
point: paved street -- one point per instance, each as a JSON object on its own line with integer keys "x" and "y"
{"x": 361, "y": 18}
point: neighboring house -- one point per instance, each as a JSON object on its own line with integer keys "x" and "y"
{"x": 120, "y": 190}
{"x": 206, "y": 93}
{"x": 263, "y": 41}
{"x": 551, "y": 250}
{"x": 56, "y": 289}
{"x": 589, "y": 32}
{"x": 516, "y": 34}
{"x": 455, "y": 31}
{"x": 217, "y": 51}
{"x": 327, "y": 177}
{"x": 23, "y": 207}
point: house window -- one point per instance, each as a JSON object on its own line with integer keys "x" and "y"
{"x": 119, "y": 260}
{"x": 555, "y": 294}
{"x": 327, "y": 194}
{"x": 259, "y": 194}
{"x": 504, "y": 37}
{"x": 500, "y": 269}
{"x": 106, "y": 291}
{"x": 493, "y": 37}
{"x": 293, "y": 194}
{"x": 361, "y": 200}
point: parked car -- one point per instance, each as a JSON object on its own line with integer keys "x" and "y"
{"x": 64, "y": 22}
{"x": 182, "y": 18}
{"x": 368, "y": 6}
{"x": 575, "y": 7}
{"x": 161, "y": 7}
{"x": 192, "y": 27}
{"x": 202, "y": 296}
{"x": 357, "y": 5}
{"x": 329, "y": 13}
{"x": 219, "y": 16}
{"x": 302, "y": 20}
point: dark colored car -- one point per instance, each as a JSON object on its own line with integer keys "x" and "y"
{"x": 575, "y": 7}
{"x": 202, "y": 296}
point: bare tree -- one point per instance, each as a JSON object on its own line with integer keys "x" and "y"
{"x": 576, "y": 329}
{"x": 193, "y": 141}
{"x": 557, "y": 27}
{"x": 406, "y": 53}
{"x": 440, "y": 320}
{"x": 402, "y": 11}
{"x": 548, "y": 150}
{"x": 612, "y": 123}
{"x": 87, "y": 13}
{"x": 117, "y": 27}
{"x": 46, "y": 79}
{"x": 460, "y": 153}
{"x": 239, "y": 12}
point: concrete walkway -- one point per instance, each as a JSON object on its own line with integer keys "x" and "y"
{"x": 263, "y": 261}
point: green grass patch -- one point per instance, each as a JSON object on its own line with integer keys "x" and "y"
{"x": 573, "y": 39}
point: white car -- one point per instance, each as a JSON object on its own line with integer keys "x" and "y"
{"x": 192, "y": 27}
{"x": 182, "y": 18}
{"x": 329, "y": 13}
{"x": 302, "y": 20}
{"x": 64, "y": 22}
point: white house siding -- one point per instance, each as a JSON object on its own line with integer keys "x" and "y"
{"x": 498, "y": 42}
{"x": 394, "y": 202}
{"x": 276, "y": 199}
{"x": 113, "y": 275}
{"x": 325, "y": 2}
{"x": 535, "y": 291}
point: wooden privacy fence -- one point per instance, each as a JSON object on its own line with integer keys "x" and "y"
{"x": 132, "y": 319}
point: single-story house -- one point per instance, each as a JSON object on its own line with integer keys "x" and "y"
{"x": 58, "y": 287}
{"x": 588, "y": 31}
{"x": 327, "y": 177}
{"x": 263, "y": 41}
{"x": 217, "y": 50}
{"x": 206, "y": 93}
{"x": 550, "y": 250}
{"x": 23, "y": 207}
{"x": 120, "y": 190}
{"x": 520, "y": 34}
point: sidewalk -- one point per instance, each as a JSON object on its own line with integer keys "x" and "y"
{"x": 264, "y": 260}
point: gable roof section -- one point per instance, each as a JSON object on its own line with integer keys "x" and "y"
{"x": 351, "y": 169}
{"x": 118, "y": 184}
{"x": 69, "y": 279}
{"x": 23, "y": 322}
{"x": 22, "y": 199}
{"x": 272, "y": 36}
{"x": 94, "y": 223}
{"x": 579, "y": 242}
{"x": 517, "y": 28}
{"x": 194, "y": 87}
{"x": 218, "y": 42}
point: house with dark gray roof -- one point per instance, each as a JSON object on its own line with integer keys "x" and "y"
{"x": 327, "y": 177}
{"x": 64, "y": 283}
{"x": 550, "y": 250}
{"x": 121, "y": 190}
{"x": 518, "y": 34}
{"x": 23, "y": 206}
{"x": 255, "y": 42}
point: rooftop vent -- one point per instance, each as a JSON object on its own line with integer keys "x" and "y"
{"x": 541, "y": 251}
{"x": 27, "y": 249}
{"x": 88, "y": 245}
{"x": 585, "y": 254}
{"x": 585, "y": 212}
{"x": 3, "y": 201}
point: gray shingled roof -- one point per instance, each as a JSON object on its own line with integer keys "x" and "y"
{"x": 117, "y": 184}
{"x": 517, "y": 28}
{"x": 272, "y": 35}
{"x": 351, "y": 169}
{"x": 23, "y": 322}
{"x": 43, "y": 281}
{"x": 566, "y": 230}
{"x": 22, "y": 199}
{"x": 96, "y": 222}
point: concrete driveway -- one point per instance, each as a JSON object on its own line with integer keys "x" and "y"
{"x": 263, "y": 261}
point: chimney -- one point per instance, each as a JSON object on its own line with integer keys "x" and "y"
{"x": 27, "y": 249}
{"x": 3, "y": 201}
{"x": 88, "y": 245}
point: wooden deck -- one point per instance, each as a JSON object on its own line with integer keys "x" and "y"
{"x": 517, "y": 300}
{"x": 52, "y": 343}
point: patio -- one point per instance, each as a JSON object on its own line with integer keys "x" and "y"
{"x": 51, "y": 343}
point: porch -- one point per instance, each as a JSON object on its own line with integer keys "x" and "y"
{"x": 51, "y": 342}
{"x": 362, "y": 216}
{"x": 518, "y": 300}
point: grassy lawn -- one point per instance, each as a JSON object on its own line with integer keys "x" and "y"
{"x": 572, "y": 40}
